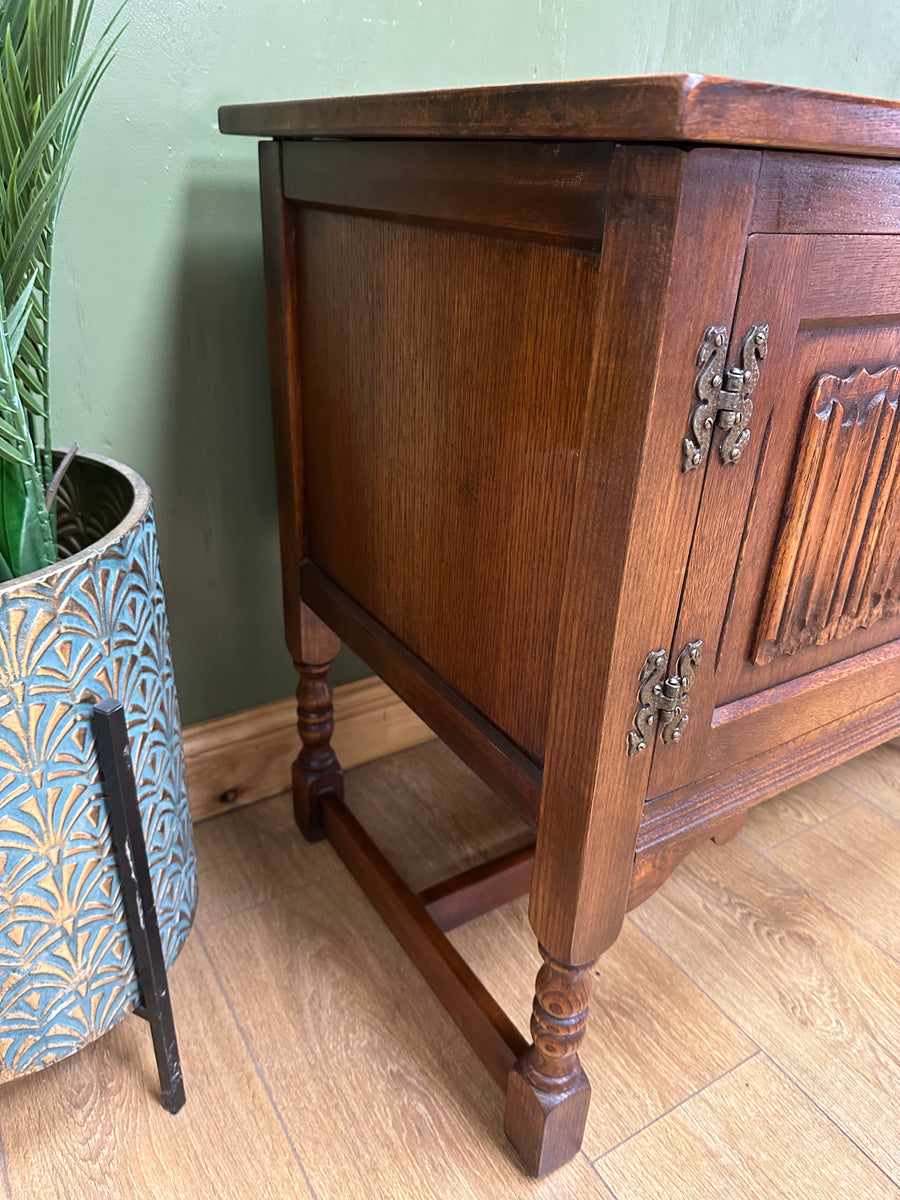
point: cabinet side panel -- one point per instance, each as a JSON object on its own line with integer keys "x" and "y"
{"x": 444, "y": 377}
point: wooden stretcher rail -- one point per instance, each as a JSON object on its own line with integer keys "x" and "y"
{"x": 465, "y": 896}
{"x": 481, "y": 1020}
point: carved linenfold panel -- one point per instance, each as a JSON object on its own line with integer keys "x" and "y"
{"x": 836, "y": 566}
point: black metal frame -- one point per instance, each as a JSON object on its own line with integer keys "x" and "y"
{"x": 140, "y": 907}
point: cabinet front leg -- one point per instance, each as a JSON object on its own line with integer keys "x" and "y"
{"x": 548, "y": 1094}
{"x": 316, "y": 769}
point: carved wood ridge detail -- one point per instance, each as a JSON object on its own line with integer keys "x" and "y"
{"x": 836, "y": 566}
{"x": 558, "y": 1020}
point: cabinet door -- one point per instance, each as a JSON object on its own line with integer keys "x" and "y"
{"x": 793, "y": 582}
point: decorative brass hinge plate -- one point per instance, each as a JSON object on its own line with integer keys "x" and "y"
{"x": 725, "y": 395}
{"x": 663, "y": 703}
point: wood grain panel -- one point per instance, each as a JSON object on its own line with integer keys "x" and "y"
{"x": 676, "y": 822}
{"x": 281, "y": 323}
{"x": 92, "y": 1126}
{"x": 816, "y": 193}
{"x": 552, "y": 191}
{"x": 772, "y": 278}
{"x": 789, "y": 710}
{"x": 641, "y": 108}
{"x": 453, "y": 718}
{"x": 664, "y": 253}
{"x": 444, "y": 376}
{"x": 835, "y": 564}
{"x": 753, "y": 1134}
{"x": 815, "y": 996}
{"x": 831, "y": 304}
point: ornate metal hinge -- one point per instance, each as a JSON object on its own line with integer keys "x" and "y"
{"x": 663, "y": 703}
{"x": 726, "y": 394}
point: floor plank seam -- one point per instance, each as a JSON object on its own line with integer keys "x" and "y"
{"x": 260, "y": 1075}
{"x": 674, "y": 1108}
{"x": 202, "y": 922}
{"x": 878, "y": 949}
{"x": 831, "y": 1121}
{"x": 721, "y": 1011}
{"x": 854, "y": 802}
{"x": 838, "y": 916}
{"x": 4, "y": 1169}
{"x": 857, "y": 803}
{"x": 603, "y": 1183}
{"x": 857, "y": 791}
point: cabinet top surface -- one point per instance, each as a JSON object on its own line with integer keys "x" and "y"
{"x": 680, "y": 108}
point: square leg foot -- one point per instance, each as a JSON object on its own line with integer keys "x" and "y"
{"x": 309, "y": 787}
{"x": 545, "y": 1128}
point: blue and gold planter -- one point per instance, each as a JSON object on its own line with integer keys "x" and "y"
{"x": 93, "y": 625}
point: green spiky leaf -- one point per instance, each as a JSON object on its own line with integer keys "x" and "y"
{"x": 46, "y": 85}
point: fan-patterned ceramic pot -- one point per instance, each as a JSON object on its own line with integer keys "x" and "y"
{"x": 91, "y": 626}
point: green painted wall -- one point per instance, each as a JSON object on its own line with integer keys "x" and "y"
{"x": 158, "y": 343}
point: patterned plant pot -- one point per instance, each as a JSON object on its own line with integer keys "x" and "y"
{"x": 93, "y": 625}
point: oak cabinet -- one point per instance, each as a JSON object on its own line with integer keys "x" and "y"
{"x": 791, "y": 578}
{"x": 586, "y": 403}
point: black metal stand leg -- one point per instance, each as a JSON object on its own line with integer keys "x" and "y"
{"x": 140, "y": 907}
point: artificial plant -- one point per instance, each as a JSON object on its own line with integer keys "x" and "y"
{"x": 46, "y": 84}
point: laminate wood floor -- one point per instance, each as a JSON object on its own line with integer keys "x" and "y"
{"x": 744, "y": 1039}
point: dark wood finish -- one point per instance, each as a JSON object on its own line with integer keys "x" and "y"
{"x": 284, "y": 384}
{"x": 655, "y": 860}
{"x": 653, "y": 867}
{"x": 312, "y": 644}
{"x": 548, "y": 1093}
{"x": 815, "y": 193}
{"x": 730, "y": 828}
{"x": 552, "y": 191}
{"x": 675, "y": 823}
{"x": 835, "y": 564}
{"x": 831, "y": 305}
{"x": 467, "y": 895}
{"x": 788, "y": 710}
{"x": 482, "y": 1022}
{"x": 666, "y": 249}
{"x": 485, "y": 314}
{"x": 443, "y": 441}
{"x": 316, "y": 769}
{"x": 458, "y": 723}
{"x": 663, "y": 108}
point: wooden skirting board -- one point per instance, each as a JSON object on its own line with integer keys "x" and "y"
{"x": 247, "y": 756}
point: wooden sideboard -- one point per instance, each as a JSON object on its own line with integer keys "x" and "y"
{"x": 587, "y": 441}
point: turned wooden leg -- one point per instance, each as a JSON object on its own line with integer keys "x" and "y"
{"x": 548, "y": 1094}
{"x": 316, "y": 770}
